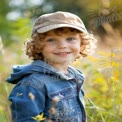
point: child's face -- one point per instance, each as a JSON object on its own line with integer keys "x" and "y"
{"x": 61, "y": 48}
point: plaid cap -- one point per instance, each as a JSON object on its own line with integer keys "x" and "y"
{"x": 56, "y": 20}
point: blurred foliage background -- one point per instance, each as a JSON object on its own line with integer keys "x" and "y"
{"x": 103, "y": 70}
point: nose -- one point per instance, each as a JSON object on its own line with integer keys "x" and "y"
{"x": 62, "y": 44}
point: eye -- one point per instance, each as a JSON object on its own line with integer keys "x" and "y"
{"x": 71, "y": 39}
{"x": 51, "y": 40}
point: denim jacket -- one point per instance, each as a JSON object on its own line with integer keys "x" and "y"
{"x": 44, "y": 83}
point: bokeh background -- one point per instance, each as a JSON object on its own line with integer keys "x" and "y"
{"x": 103, "y": 70}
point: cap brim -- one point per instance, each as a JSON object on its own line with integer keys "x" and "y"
{"x": 55, "y": 26}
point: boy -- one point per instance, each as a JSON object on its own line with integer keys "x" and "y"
{"x": 49, "y": 89}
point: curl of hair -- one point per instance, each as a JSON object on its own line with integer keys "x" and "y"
{"x": 34, "y": 46}
{"x": 88, "y": 44}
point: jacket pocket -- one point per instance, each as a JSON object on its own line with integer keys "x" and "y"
{"x": 66, "y": 105}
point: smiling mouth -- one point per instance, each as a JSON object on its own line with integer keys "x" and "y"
{"x": 62, "y": 53}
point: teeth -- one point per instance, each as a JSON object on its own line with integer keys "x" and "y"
{"x": 63, "y": 53}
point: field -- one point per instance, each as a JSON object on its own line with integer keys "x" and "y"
{"x": 103, "y": 84}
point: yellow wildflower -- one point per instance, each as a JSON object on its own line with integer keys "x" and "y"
{"x": 39, "y": 117}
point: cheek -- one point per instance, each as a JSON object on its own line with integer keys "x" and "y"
{"x": 47, "y": 50}
{"x": 77, "y": 48}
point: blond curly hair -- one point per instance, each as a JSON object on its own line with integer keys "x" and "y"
{"x": 35, "y": 45}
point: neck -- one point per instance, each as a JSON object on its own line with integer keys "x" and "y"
{"x": 61, "y": 67}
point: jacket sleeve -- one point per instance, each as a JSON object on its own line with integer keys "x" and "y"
{"x": 27, "y": 101}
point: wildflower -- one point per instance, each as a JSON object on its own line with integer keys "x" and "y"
{"x": 32, "y": 97}
{"x": 56, "y": 99}
{"x": 39, "y": 117}
{"x": 52, "y": 110}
